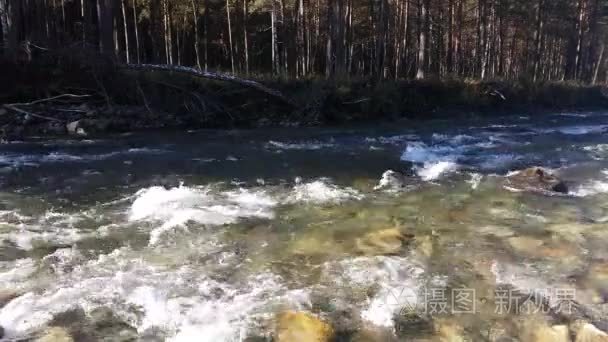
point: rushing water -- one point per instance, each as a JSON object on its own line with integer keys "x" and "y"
{"x": 206, "y": 236}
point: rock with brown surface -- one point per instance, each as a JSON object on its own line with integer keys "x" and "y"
{"x": 536, "y": 179}
{"x": 6, "y": 296}
{"x": 302, "y": 327}
{"x": 383, "y": 242}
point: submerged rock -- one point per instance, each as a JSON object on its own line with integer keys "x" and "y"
{"x": 55, "y": 334}
{"x": 556, "y": 333}
{"x": 536, "y": 248}
{"x": 302, "y": 327}
{"x": 449, "y": 331}
{"x": 536, "y": 179}
{"x": 586, "y": 332}
{"x": 383, "y": 242}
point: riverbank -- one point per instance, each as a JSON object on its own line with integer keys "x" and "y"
{"x": 97, "y": 97}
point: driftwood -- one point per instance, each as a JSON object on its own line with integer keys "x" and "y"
{"x": 212, "y": 76}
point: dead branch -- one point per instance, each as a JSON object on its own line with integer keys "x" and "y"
{"x": 143, "y": 96}
{"x": 13, "y": 107}
{"x": 212, "y": 76}
{"x": 51, "y": 99}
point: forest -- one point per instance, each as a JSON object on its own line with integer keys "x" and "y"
{"x": 541, "y": 40}
{"x": 138, "y": 64}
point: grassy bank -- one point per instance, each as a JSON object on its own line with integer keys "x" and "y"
{"x": 126, "y": 100}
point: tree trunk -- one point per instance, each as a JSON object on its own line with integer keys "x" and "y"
{"x": 538, "y": 32}
{"x": 196, "y": 35}
{"x": 124, "y": 20}
{"x": 230, "y": 48}
{"x": 273, "y": 33}
{"x": 450, "y": 49}
{"x": 422, "y": 37}
{"x": 245, "y": 40}
{"x": 135, "y": 22}
{"x": 4, "y": 25}
{"x": 206, "y": 37}
{"x": 106, "y": 25}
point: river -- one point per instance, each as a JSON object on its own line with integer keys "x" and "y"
{"x": 208, "y": 235}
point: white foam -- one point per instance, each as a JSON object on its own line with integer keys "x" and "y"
{"x": 597, "y": 152}
{"x": 51, "y": 228}
{"x": 590, "y": 189}
{"x": 177, "y": 206}
{"x": 322, "y": 191}
{"x": 475, "y": 180}
{"x": 391, "y": 181}
{"x": 307, "y": 145}
{"x": 14, "y": 274}
{"x": 17, "y": 160}
{"x": 576, "y": 130}
{"x": 435, "y": 160}
{"x": 421, "y": 153}
{"x": 392, "y": 139}
{"x": 183, "y": 303}
{"x": 432, "y": 171}
{"x": 399, "y": 281}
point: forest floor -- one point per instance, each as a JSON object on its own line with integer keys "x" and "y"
{"x": 72, "y": 98}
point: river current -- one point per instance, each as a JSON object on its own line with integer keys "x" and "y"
{"x": 208, "y": 235}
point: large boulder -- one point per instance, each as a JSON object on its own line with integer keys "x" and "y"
{"x": 302, "y": 327}
{"x": 536, "y": 179}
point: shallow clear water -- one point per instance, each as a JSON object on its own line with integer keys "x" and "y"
{"x": 208, "y": 235}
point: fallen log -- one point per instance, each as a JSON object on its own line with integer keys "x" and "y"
{"x": 212, "y": 76}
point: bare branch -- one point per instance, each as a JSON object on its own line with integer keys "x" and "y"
{"x": 13, "y": 107}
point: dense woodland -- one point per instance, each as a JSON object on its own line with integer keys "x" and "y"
{"x": 336, "y": 39}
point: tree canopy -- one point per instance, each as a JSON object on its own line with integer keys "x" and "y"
{"x": 540, "y": 40}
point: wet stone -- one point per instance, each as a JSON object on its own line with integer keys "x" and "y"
{"x": 409, "y": 324}
{"x": 302, "y": 327}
